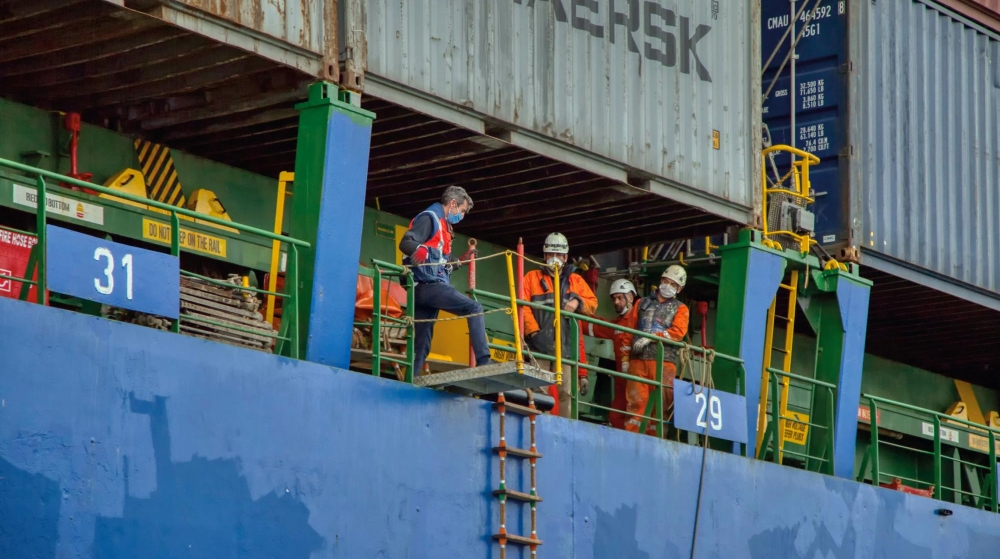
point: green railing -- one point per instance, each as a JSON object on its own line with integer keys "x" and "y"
{"x": 985, "y": 500}
{"x": 656, "y": 397}
{"x": 289, "y": 332}
{"x": 403, "y": 362}
{"x": 773, "y": 439}
{"x": 382, "y": 352}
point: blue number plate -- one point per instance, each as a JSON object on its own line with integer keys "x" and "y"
{"x": 112, "y": 273}
{"x": 697, "y": 409}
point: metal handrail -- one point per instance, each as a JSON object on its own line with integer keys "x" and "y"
{"x": 779, "y": 419}
{"x": 290, "y": 329}
{"x": 152, "y": 203}
{"x": 959, "y": 424}
{"x": 656, "y": 398}
{"x": 599, "y": 322}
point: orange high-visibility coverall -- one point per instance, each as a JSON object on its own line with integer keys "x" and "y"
{"x": 637, "y": 393}
{"x": 537, "y": 286}
{"x": 623, "y": 348}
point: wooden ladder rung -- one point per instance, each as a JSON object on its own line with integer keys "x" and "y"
{"x": 517, "y": 495}
{"x": 519, "y": 452}
{"x": 519, "y": 540}
{"x": 519, "y": 409}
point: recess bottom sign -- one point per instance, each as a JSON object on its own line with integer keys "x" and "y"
{"x": 60, "y": 205}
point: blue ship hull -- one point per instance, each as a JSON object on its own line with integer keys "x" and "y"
{"x": 121, "y": 442}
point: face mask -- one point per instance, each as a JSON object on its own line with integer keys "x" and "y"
{"x": 551, "y": 265}
{"x": 454, "y": 218}
{"x": 624, "y": 311}
{"x": 667, "y": 291}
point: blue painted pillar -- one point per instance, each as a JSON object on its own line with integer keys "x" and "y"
{"x": 328, "y": 200}
{"x": 749, "y": 280}
{"x": 852, "y": 300}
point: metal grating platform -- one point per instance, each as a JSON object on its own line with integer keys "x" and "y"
{"x": 490, "y": 379}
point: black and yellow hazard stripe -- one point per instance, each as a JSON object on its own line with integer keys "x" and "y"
{"x": 158, "y": 168}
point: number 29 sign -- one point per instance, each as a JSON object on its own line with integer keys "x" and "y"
{"x": 112, "y": 273}
{"x": 698, "y": 409}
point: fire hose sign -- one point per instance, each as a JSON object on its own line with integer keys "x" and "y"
{"x": 15, "y": 250}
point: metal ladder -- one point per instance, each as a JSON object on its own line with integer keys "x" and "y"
{"x": 786, "y": 350}
{"x": 503, "y": 493}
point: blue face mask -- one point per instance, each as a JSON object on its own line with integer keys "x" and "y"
{"x": 454, "y": 218}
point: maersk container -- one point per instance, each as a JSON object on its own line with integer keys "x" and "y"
{"x": 663, "y": 94}
{"x": 985, "y": 12}
{"x": 299, "y": 33}
{"x": 912, "y": 160}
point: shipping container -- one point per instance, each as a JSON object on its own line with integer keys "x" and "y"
{"x": 985, "y": 12}
{"x": 901, "y": 100}
{"x": 662, "y": 95}
{"x": 298, "y": 33}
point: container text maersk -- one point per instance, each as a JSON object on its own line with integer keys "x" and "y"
{"x": 658, "y": 23}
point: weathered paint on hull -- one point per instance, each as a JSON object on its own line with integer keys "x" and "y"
{"x": 118, "y": 441}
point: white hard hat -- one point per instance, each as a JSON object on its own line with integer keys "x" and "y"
{"x": 556, "y": 243}
{"x": 677, "y": 274}
{"x": 622, "y": 286}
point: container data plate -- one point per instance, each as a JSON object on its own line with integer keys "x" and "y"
{"x": 490, "y": 379}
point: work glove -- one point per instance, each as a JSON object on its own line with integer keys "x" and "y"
{"x": 584, "y": 385}
{"x": 456, "y": 264}
{"x": 640, "y": 344}
{"x": 625, "y": 367}
{"x": 419, "y": 256}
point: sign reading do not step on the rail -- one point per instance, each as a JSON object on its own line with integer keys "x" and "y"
{"x": 698, "y": 409}
{"x": 112, "y": 273}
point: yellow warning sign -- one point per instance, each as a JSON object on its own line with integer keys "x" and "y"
{"x": 795, "y": 432}
{"x": 193, "y": 240}
{"x": 499, "y": 355}
{"x": 982, "y": 444}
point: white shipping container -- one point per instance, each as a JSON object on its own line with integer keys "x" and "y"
{"x": 661, "y": 91}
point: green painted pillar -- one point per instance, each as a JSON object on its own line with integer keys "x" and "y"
{"x": 331, "y": 169}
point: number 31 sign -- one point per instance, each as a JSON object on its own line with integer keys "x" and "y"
{"x": 696, "y": 409}
{"x": 112, "y": 273}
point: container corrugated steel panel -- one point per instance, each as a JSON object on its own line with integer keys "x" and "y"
{"x": 647, "y": 86}
{"x": 985, "y": 12}
{"x": 928, "y": 114}
{"x": 301, "y": 33}
{"x": 986, "y": 5}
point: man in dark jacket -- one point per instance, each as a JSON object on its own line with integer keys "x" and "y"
{"x": 427, "y": 246}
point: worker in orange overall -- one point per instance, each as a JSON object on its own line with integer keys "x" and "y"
{"x": 660, "y": 314}
{"x": 623, "y": 296}
{"x": 539, "y": 326}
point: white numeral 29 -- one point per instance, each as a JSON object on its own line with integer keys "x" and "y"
{"x": 715, "y": 410}
{"x": 109, "y": 288}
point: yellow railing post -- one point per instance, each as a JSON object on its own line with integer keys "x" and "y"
{"x": 556, "y": 292}
{"x": 800, "y": 189}
{"x": 279, "y": 214}
{"x": 514, "y": 314}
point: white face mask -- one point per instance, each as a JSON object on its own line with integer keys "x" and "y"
{"x": 553, "y": 262}
{"x": 668, "y": 291}
{"x": 627, "y": 308}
